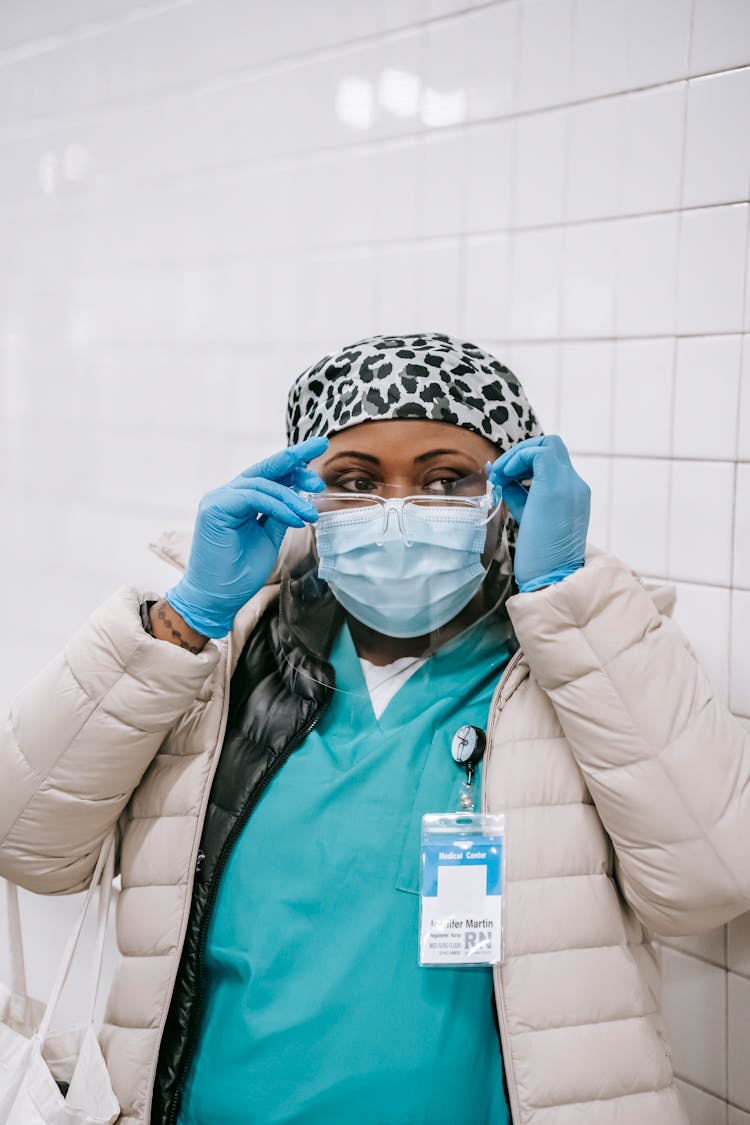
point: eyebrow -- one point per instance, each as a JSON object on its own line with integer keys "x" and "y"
{"x": 376, "y": 461}
{"x": 354, "y": 453}
{"x": 440, "y": 453}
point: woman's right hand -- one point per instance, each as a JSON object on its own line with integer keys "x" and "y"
{"x": 238, "y": 533}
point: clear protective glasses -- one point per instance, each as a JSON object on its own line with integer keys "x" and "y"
{"x": 472, "y": 499}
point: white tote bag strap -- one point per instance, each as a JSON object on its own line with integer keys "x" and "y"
{"x": 101, "y": 880}
{"x": 105, "y": 898}
{"x": 19, "y": 996}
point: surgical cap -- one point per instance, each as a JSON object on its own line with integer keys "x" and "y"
{"x": 427, "y": 376}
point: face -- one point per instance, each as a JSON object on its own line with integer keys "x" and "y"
{"x": 401, "y": 457}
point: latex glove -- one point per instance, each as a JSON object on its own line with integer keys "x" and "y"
{"x": 553, "y": 514}
{"x": 238, "y": 533}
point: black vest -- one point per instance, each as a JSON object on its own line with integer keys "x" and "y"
{"x": 280, "y": 686}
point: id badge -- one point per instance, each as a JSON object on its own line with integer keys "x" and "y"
{"x": 461, "y": 889}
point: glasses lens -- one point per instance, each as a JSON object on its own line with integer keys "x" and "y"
{"x": 343, "y": 501}
{"x": 473, "y": 486}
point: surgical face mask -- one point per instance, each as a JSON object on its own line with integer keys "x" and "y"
{"x": 402, "y": 568}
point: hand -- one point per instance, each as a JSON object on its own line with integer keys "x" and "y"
{"x": 553, "y": 514}
{"x": 238, "y": 533}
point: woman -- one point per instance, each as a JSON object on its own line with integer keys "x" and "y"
{"x": 269, "y": 734}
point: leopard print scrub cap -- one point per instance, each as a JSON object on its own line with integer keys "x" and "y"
{"x": 427, "y": 376}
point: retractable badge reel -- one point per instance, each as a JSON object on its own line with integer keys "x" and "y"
{"x": 462, "y": 868}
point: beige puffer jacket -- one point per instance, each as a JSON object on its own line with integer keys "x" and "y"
{"x": 626, "y": 787}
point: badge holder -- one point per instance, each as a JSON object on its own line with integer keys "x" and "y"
{"x": 462, "y": 874}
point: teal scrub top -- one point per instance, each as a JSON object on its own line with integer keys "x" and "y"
{"x": 317, "y": 1012}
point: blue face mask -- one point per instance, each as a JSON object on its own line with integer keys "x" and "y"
{"x": 411, "y": 579}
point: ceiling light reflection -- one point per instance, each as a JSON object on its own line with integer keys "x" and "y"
{"x": 398, "y": 92}
{"x": 48, "y": 173}
{"x": 443, "y": 107}
{"x": 355, "y": 102}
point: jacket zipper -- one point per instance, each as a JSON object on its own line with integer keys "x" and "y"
{"x": 515, "y": 1109}
{"x": 229, "y": 843}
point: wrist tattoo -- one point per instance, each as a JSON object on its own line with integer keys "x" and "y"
{"x": 177, "y": 636}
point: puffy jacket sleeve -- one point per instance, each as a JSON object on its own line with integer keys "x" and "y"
{"x": 667, "y": 764}
{"x": 79, "y": 737}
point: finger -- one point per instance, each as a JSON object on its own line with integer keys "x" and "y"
{"x": 244, "y": 504}
{"x": 280, "y": 464}
{"x": 307, "y": 480}
{"x": 499, "y": 465}
{"x": 275, "y": 531}
{"x": 281, "y": 492}
{"x": 517, "y": 463}
{"x": 274, "y": 509}
{"x": 310, "y": 448}
{"x": 515, "y": 497}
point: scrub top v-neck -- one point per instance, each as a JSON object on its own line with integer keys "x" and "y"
{"x": 317, "y": 1012}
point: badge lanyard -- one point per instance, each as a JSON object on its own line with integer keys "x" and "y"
{"x": 461, "y": 873}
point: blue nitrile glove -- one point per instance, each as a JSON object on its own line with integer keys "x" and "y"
{"x": 238, "y": 533}
{"x": 553, "y": 514}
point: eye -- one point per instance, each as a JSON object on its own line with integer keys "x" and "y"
{"x": 356, "y": 484}
{"x": 442, "y": 486}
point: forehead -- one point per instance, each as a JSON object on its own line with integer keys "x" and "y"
{"x": 403, "y": 440}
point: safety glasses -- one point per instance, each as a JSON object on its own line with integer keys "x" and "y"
{"x": 462, "y": 506}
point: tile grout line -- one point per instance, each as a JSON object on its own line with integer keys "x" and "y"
{"x": 118, "y": 107}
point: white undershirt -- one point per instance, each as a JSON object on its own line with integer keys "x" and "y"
{"x": 384, "y": 680}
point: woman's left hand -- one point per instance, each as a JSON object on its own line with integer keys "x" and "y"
{"x": 553, "y": 513}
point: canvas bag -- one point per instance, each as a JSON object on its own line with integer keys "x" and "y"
{"x": 33, "y": 1058}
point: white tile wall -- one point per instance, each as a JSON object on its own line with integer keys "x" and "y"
{"x": 438, "y": 286}
{"x": 713, "y": 363}
{"x": 700, "y": 521}
{"x": 595, "y": 158}
{"x": 711, "y": 946}
{"x": 197, "y": 199}
{"x": 721, "y": 31}
{"x": 647, "y": 258}
{"x": 743, "y": 443}
{"x": 738, "y": 1028}
{"x": 440, "y": 183}
{"x": 644, "y": 390}
{"x": 713, "y": 255}
{"x": 489, "y": 157}
{"x": 658, "y": 41}
{"x": 545, "y": 53}
{"x": 488, "y": 286}
{"x": 586, "y": 393}
{"x": 653, "y": 126}
{"x": 639, "y": 512}
{"x": 599, "y": 48}
{"x": 738, "y": 945}
{"x": 742, "y": 528}
{"x": 536, "y": 283}
{"x": 540, "y": 151}
{"x": 589, "y": 280}
{"x": 597, "y": 472}
{"x": 717, "y": 150}
{"x": 695, "y": 999}
{"x": 702, "y": 1108}
{"x": 540, "y": 363}
{"x": 740, "y": 653}
{"x": 494, "y": 37}
{"x": 704, "y": 614}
